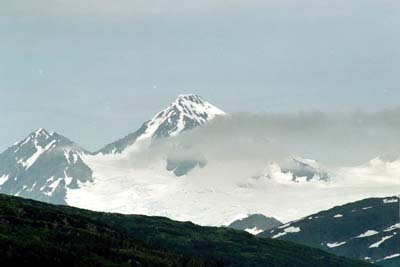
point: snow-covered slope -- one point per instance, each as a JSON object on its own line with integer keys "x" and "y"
{"x": 42, "y": 167}
{"x": 207, "y": 197}
{"x": 367, "y": 229}
{"x": 185, "y": 113}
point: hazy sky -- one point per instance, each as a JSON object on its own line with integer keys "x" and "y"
{"x": 94, "y": 70}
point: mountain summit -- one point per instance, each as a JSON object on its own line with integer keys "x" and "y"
{"x": 43, "y": 166}
{"x": 186, "y": 112}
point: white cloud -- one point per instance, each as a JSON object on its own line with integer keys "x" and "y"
{"x": 333, "y": 139}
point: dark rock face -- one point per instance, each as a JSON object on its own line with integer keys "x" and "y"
{"x": 183, "y": 167}
{"x": 258, "y": 222}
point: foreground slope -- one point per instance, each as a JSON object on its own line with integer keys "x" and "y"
{"x": 368, "y": 229}
{"x": 33, "y": 232}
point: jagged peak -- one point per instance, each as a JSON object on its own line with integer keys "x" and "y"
{"x": 187, "y": 111}
{"x": 40, "y": 132}
{"x": 189, "y": 97}
{"x": 34, "y": 137}
{"x": 192, "y": 106}
{"x": 41, "y": 138}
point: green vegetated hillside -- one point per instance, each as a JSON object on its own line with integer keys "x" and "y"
{"x": 32, "y": 232}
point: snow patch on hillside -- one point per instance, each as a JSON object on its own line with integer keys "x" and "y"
{"x": 377, "y": 244}
{"x": 254, "y": 231}
{"x": 390, "y": 200}
{"x": 336, "y": 244}
{"x": 368, "y": 233}
{"x": 288, "y": 230}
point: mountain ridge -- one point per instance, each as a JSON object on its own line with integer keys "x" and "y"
{"x": 368, "y": 229}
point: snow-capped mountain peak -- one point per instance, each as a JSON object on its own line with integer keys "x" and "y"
{"x": 29, "y": 150}
{"x": 43, "y": 166}
{"x": 40, "y": 132}
{"x": 41, "y": 141}
{"x": 36, "y": 136}
{"x": 187, "y": 111}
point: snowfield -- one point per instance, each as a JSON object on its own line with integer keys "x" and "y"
{"x": 121, "y": 187}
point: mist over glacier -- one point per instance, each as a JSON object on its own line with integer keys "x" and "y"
{"x": 333, "y": 139}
